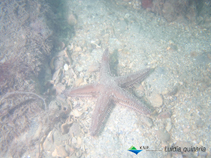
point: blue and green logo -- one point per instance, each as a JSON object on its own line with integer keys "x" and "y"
{"x": 134, "y": 150}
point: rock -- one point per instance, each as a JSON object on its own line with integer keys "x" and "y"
{"x": 69, "y": 149}
{"x": 163, "y": 135}
{"x": 75, "y": 129}
{"x": 168, "y": 126}
{"x": 48, "y": 144}
{"x": 59, "y": 88}
{"x": 65, "y": 128}
{"x": 79, "y": 142}
{"x": 71, "y": 19}
{"x": 145, "y": 120}
{"x": 209, "y": 55}
{"x": 76, "y": 113}
{"x": 59, "y": 138}
{"x": 156, "y": 100}
{"x": 146, "y": 4}
{"x": 200, "y": 123}
{"x": 55, "y": 77}
{"x": 38, "y": 131}
{"x": 140, "y": 90}
{"x": 78, "y": 82}
{"x": 169, "y": 11}
{"x": 76, "y": 141}
{"x": 59, "y": 152}
{"x": 93, "y": 68}
{"x": 174, "y": 90}
{"x": 164, "y": 115}
{"x": 78, "y": 49}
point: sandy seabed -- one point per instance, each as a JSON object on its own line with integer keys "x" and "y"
{"x": 180, "y": 54}
{"x": 178, "y": 89}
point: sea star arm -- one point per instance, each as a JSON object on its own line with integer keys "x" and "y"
{"x": 128, "y": 100}
{"x": 105, "y": 68}
{"x": 101, "y": 111}
{"x": 90, "y": 90}
{"x": 130, "y": 80}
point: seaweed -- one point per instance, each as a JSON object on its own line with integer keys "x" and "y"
{"x": 18, "y": 110}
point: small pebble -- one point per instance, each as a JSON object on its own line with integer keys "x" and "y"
{"x": 79, "y": 68}
{"x": 78, "y": 82}
{"x": 59, "y": 152}
{"x": 48, "y": 144}
{"x": 75, "y": 129}
{"x": 156, "y": 100}
{"x": 163, "y": 135}
{"x": 79, "y": 141}
{"x": 164, "y": 115}
{"x": 65, "y": 128}
{"x": 71, "y": 20}
{"x": 146, "y": 120}
{"x": 209, "y": 55}
{"x": 93, "y": 68}
{"x": 76, "y": 113}
{"x": 200, "y": 123}
{"x": 173, "y": 91}
{"x": 59, "y": 88}
{"x": 168, "y": 126}
{"x": 78, "y": 49}
{"x": 140, "y": 90}
{"x": 76, "y": 142}
{"x": 69, "y": 149}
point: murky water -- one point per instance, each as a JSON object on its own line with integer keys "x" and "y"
{"x": 51, "y": 46}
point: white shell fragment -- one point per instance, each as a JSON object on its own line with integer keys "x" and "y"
{"x": 66, "y": 67}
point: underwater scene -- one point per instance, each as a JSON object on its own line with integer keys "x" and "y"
{"x": 105, "y": 78}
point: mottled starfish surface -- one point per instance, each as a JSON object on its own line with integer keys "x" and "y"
{"x": 110, "y": 89}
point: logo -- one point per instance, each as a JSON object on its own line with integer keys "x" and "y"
{"x": 172, "y": 149}
{"x": 134, "y": 150}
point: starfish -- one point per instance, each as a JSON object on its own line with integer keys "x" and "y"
{"x": 110, "y": 89}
